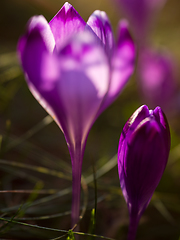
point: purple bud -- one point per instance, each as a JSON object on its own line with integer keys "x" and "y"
{"x": 142, "y": 157}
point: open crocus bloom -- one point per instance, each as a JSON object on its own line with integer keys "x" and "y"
{"x": 142, "y": 157}
{"x": 75, "y": 70}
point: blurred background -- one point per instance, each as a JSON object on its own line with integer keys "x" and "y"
{"x": 35, "y": 166}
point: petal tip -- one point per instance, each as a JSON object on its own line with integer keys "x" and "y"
{"x": 67, "y": 6}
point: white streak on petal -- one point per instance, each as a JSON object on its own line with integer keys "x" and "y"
{"x": 41, "y": 23}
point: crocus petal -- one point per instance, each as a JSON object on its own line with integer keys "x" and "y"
{"x": 38, "y": 63}
{"x": 141, "y": 166}
{"x": 138, "y": 116}
{"x": 163, "y": 123}
{"x": 37, "y": 24}
{"x": 65, "y": 24}
{"x": 100, "y": 24}
{"x": 122, "y": 64}
{"x": 33, "y": 54}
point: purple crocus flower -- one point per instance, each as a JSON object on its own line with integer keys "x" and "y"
{"x": 141, "y": 13}
{"x": 142, "y": 157}
{"x": 157, "y": 80}
{"x": 75, "y": 70}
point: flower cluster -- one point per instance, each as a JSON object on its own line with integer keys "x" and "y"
{"x": 76, "y": 70}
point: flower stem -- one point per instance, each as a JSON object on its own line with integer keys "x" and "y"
{"x": 133, "y": 225}
{"x": 76, "y": 184}
{"x": 76, "y": 194}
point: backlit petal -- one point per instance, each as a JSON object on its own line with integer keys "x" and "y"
{"x": 122, "y": 64}
{"x": 37, "y": 25}
{"x": 65, "y": 24}
{"x": 100, "y": 24}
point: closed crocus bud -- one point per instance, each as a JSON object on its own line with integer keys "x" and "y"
{"x": 142, "y": 157}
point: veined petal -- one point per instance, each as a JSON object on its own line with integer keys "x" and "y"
{"x": 100, "y": 24}
{"x": 122, "y": 64}
{"x": 66, "y": 23}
